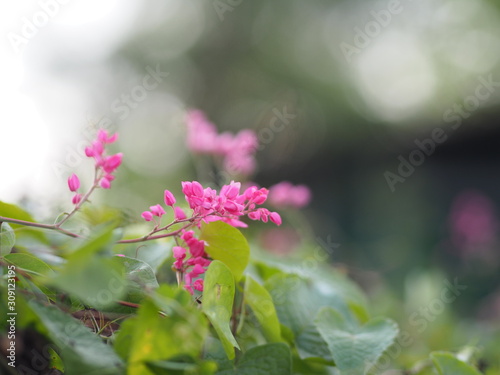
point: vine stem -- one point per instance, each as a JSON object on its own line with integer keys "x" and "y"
{"x": 38, "y": 225}
{"x": 148, "y": 237}
{"x": 84, "y": 199}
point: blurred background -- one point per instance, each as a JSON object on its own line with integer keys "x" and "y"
{"x": 387, "y": 110}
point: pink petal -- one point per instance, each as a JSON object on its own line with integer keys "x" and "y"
{"x": 275, "y": 218}
{"x": 73, "y": 182}
{"x": 169, "y": 198}
{"x": 179, "y": 213}
{"x": 146, "y": 215}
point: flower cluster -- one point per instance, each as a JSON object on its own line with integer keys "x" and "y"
{"x": 229, "y": 205}
{"x": 237, "y": 150}
{"x": 158, "y": 211}
{"x": 105, "y": 165}
{"x": 285, "y": 194}
{"x": 197, "y": 263}
{"x": 207, "y": 205}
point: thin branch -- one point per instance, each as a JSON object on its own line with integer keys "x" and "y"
{"x": 84, "y": 199}
{"x": 150, "y": 238}
{"x": 38, "y": 225}
{"x": 145, "y": 238}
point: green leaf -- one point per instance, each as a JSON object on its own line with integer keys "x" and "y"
{"x": 261, "y": 302}
{"x": 218, "y": 297}
{"x": 99, "y": 242}
{"x": 182, "y": 366}
{"x": 297, "y": 301}
{"x": 30, "y": 264}
{"x": 82, "y": 352}
{"x": 14, "y": 212}
{"x": 154, "y": 253}
{"x": 227, "y": 244}
{"x": 97, "y": 281}
{"x": 354, "y": 348}
{"x": 448, "y": 364}
{"x": 140, "y": 277}
{"x": 7, "y": 238}
{"x": 324, "y": 277}
{"x": 151, "y": 337}
{"x": 275, "y": 359}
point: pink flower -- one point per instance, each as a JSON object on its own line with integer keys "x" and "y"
{"x": 255, "y": 215}
{"x": 202, "y": 134}
{"x": 197, "y": 270}
{"x": 179, "y": 264}
{"x": 204, "y": 262}
{"x": 196, "y": 247}
{"x": 231, "y": 191}
{"x": 146, "y": 215}
{"x": 179, "y": 252}
{"x": 95, "y": 149}
{"x": 169, "y": 198}
{"x": 157, "y": 210}
{"x": 105, "y": 184}
{"x": 228, "y": 205}
{"x": 179, "y": 214}
{"x": 275, "y": 218}
{"x": 237, "y": 150}
{"x": 112, "y": 162}
{"x": 198, "y": 285}
{"x": 285, "y": 194}
{"x": 104, "y": 137}
{"x": 73, "y": 182}
{"x": 76, "y": 199}
{"x": 301, "y": 196}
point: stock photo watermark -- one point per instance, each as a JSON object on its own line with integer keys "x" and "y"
{"x": 420, "y": 320}
{"x": 280, "y": 120}
{"x": 372, "y": 29}
{"x": 122, "y": 106}
{"x": 427, "y": 146}
{"x": 11, "y": 315}
{"x": 224, "y": 6}
{"x": 32, "y": 25}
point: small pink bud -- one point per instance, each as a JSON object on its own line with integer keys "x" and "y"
{"x": 105, "y": 184}
{"x": 104, "y": 137}
{"x": 97, "y": 147}
{"x": 179, "y": 214}
{"x": 264, "y": 214}
{"x": 76, "y": 199}
{"x": 146, "y": 215}
{"x": 112, "y": 138}
{"x": 112, "y": 162}
{"x": 275, "y": 218}
{"x": 255, "y": 215}
{"x": 89, "y": 151}
{"x": 73, "y": 182}
{"x": 169, "y": 198}
{"x": 157, "y": 210}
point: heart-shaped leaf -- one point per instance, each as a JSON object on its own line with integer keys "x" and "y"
{"x": 227, "y": 244}
{"x": 354, "y": 348}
